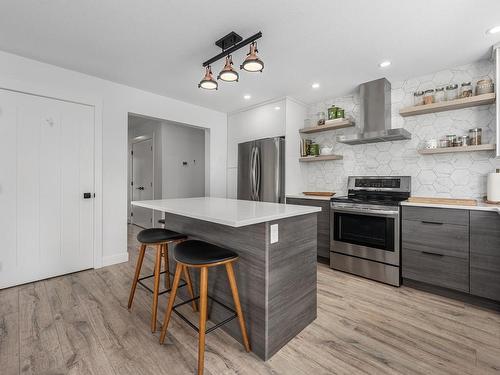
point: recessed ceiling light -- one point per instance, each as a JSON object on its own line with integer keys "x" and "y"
{"x": 277, "y": 108}
{"x": 246, "y": 97}
{"x": 493, "y": 30}
{"x": 315, "y": 85}
{"x": 384, "y": 64}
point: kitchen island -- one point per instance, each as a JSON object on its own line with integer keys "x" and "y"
{"x": 276, "y": 269}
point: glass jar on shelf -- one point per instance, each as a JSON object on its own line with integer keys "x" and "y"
{"x": 332, "y": 112}
{"x": 452, "y": 92}
{"x": 475, "y": 136}
{"x": 418, "y": 98}
{"x": 452, "y": 140}
{"x": 340, "y": 113}
{"x": 320, "y": 116}
{"x": 429, "y": 96}
{"x": 466, "y": 90}
{"x": 439, "y": 95}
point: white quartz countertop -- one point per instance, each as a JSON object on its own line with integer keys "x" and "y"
{"x": 481, "y": 206}
{"x": 231, "y": 212}
{"x": 303, "y": 196}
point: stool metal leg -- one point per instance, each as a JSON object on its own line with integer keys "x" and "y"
{"x": 138, "y": 267}
{"x": 154, "y": 309}
{"x": 171, "y": 300}
{"x": 203, "y": 318}
{"x": 236, "y": 298}
{"x": 187, "y": 278}
{"x": 167, "y": 266}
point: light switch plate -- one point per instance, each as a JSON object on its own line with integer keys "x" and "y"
{"x": 274, "y": 233}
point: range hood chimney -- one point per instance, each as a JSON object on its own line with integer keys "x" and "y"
{"x": 375, "y": 116}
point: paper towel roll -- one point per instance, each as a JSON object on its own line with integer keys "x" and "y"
{"x": 493, "y": 190}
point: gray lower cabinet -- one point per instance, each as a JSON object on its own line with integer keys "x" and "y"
{"x": 323, "y": 222}
{"x": 485, "y": 254}
{"x": 435, "y": 246}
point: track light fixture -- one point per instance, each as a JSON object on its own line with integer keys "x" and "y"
{"x": 227, "y": 73}
{"x": 229, "y": 44}
{"x": 252, "y": 63}
{"x": 208, "y": 82}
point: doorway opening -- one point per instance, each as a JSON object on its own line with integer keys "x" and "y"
{"x": 166, "y": 160}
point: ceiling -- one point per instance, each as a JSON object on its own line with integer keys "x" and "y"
{"x": 159, "y": 45}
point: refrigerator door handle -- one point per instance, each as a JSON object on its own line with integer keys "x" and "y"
{"x": 252, "y": 174}
{"x": 257, "y": 170}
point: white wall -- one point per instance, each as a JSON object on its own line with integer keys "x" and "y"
{"x": 258, "y": 122}
{"x": 295, "y": 172}
{"x": 112, "y": 104}
{"x": 182, "y": 144}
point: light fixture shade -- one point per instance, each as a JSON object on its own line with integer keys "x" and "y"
{"x": 227, "y": 73}
{"x": 252, "y": 63}
{"x": 208, "y": 82}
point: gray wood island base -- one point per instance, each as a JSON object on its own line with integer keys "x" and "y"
{"x": 276, "y": 281}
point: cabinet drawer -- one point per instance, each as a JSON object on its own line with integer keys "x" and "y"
{"x": 323, "y": 222}
{"x": 440, "y": 238}
{"x": 441, "y": 270}
{"x": 436, "y": 215}
{"x": 485, "y": 254}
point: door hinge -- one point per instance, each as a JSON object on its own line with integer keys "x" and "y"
{"x": 131, "y": 214}
{"x": 132, "y": 152}
{"x": 151, "y": 148}
{"x": 131, "y": 183}
{"x": 151, "y": 184}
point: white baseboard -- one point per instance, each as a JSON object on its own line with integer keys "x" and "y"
{"x": 114, "y": 259}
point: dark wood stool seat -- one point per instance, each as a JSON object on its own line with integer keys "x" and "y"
{"x": 203, "y": 255}
{"x": 195, "y": 253}
{"x": 159, "y": 238}
{"x": 159, "y": 235}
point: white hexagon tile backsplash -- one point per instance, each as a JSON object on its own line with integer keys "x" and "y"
{"x": 441, "y": 175}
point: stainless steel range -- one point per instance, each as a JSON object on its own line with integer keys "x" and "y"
{"x": 365, "y": 227}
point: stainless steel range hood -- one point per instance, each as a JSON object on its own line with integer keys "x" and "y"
{"x": 375, "y": 116}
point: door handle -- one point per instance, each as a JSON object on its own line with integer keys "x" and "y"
{"x": 140, "y": 188}
{"x": 87, "y": 195}
{"x": 257, "y": 173}
{"x": 252, "y": 174}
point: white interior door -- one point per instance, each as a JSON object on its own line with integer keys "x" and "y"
{"x": 142, "y": 182}
{"x": 47, "y": 156}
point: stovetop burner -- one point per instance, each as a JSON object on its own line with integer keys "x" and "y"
{"x": 385, "y": 201}
{"x": 379, "y": 190}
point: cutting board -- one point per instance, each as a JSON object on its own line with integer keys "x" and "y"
{"x": 449, "y": 201}
{"x": 319, "y": 193}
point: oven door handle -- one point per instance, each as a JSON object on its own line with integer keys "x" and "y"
{"x": 366, "y": 212}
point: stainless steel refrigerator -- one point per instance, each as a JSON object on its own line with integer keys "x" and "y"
{"x": 261, "y": 170}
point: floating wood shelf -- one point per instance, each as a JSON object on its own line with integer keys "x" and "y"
{"x": 338, "y": 123}
{"x": 444, "y": 150}
{"x": 472, "y": 101}
{"x": 321, "y": 158}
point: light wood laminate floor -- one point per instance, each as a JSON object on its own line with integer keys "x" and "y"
{"x": 79, "y": 324}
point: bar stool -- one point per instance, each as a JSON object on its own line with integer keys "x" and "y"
{"x": 203, "y": 255}
{"x": 160, "y": 239}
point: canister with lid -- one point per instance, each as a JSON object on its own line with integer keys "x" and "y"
{"x": 466, "y": 90}
{"x": 439, "y": 95}
{"x": 429, "y": 96}
{"x": 452, "y": 92}
{"x": 475, "y": 136}
{"x": 418, "y": 98}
